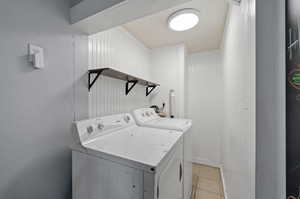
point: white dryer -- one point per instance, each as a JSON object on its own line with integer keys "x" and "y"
{"x": 113, "y": 158}
{"x": 147, "y": 117}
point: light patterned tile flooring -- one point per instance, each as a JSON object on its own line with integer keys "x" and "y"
{"x": 207, "y": 182}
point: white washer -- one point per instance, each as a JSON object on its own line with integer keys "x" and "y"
{"x": 113, "y": 158}
{"x": 147, "y": 117}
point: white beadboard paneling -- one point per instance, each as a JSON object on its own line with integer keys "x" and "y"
{"x": 116, "y": 48}
{"x": 168, "y": 68}
{"x": 238, "y": 75}
{"x": 203, "y": 74}
{"x": 107, "y": 97}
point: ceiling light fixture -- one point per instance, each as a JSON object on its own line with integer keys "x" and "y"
{"x": 184, "y": 19}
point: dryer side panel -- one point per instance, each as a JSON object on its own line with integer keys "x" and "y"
{"x": 188, "y": 164}
{"x": 170, "y": 177}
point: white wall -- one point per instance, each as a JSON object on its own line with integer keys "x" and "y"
{"x": 238, "y": 137}
{"x": 204, "y": 105}
{"x": 118, "y": 49}
{"x": 168, "y": 69}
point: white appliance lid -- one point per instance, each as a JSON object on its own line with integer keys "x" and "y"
{"x": 170, "y": 123}
{"x": 144, "y": 145}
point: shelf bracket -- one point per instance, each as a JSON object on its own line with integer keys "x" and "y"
{"x": 95, "y": 79}
{"x": 130, "y": 87}
{"x": 149, "y": 89}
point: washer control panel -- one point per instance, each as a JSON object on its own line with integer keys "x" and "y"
{"x": 91, "y": 128}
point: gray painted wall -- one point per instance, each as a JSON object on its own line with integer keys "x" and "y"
{"x": 270, "y": 99}
{"x": 74, "y": 2}
{"x": 38, "y": 106}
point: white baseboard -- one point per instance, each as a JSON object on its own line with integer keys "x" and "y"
{"x": 223, "y": 182}
{"x": 213, "y": 164}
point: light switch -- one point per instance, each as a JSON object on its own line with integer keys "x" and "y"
{"x": 36, "y": 56}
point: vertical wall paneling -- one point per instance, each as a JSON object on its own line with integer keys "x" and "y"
{"x": 204, "y": 105}
{"x": 168, "y": 66}
{"x": 238, "y": 84}
{"x": 116, "y": 48}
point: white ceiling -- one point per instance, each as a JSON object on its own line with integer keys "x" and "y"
{"x": 207, "y": 35}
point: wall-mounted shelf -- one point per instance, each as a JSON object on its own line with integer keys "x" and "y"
{"x": 131, "y": 81}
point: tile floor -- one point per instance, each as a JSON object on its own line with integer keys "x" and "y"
{"x": 207, "y": 182}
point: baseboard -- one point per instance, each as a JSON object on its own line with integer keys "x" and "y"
{"x": 223, "y": 182}
{"x": 206, "y": 162}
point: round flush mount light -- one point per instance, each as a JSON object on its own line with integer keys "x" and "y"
{"x": 184, "y": 19}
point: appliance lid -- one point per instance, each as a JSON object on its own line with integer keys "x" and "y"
{"x": 170, "y": 123}
{"x": 140, "y": 144}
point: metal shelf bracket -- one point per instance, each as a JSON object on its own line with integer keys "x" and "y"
{"x": 98, "y": 73}
{"x": 149, "y": 89}
{"x": 130, "y": 87}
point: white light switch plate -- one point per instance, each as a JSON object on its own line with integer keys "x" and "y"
{"x": 36, "y": 56}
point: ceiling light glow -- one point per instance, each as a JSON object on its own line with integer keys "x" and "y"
{"x": 183, "y": 19}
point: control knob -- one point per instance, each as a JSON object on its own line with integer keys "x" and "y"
{"x": 90, "y": 129}
{"x": 126, "y": 118}
{"x": 100, "y": 126}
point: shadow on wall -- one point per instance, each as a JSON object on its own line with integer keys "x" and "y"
{"x": 27, "y": 182}
{"x": 26, "y": 67}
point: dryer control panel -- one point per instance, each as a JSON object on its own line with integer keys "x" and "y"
{"x": 145, "y": 114}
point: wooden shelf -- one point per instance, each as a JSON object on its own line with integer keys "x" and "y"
{"x": 131, "y": 80}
